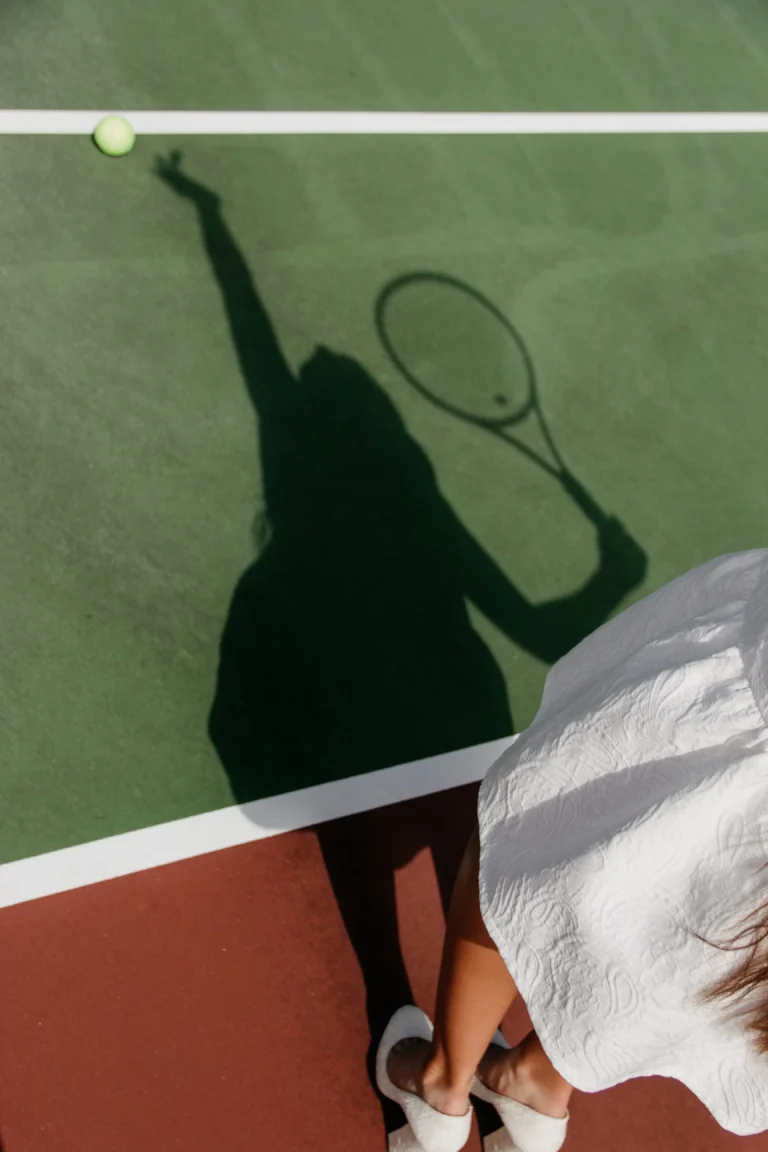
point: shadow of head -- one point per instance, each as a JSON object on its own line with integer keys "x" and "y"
{"x": 344, "y": 400}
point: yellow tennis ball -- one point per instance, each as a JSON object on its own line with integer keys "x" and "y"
{"x": 114, "y": 136}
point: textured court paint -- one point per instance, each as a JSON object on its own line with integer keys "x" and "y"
{"x": 171, "y": 1010}
{"x": 635, "y": 268}
{"x": 167, "y": 1012}
{"x": 446, "y": 54}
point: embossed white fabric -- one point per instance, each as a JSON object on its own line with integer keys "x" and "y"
{"x": 632, "y": 812}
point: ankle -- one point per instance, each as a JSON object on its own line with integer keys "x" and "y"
{"x": 442, "y": 1081}
{"x": 534, "y": 1067}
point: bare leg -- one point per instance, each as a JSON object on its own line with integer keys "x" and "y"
{"x": 474, "y": 993}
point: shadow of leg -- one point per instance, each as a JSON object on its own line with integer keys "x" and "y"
{"x": 358, "y": 855}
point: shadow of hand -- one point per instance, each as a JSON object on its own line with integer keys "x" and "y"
{"x": 168, "y": 169}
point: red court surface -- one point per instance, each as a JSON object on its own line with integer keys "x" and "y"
{"x": 218, "y": 1003}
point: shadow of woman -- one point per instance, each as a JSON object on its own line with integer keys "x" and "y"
{"x": 348, "y": 646}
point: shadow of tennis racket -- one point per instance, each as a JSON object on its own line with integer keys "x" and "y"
{"x": 463, "y": 355}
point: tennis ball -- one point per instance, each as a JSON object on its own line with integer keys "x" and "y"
{"x": 114, "y": 136}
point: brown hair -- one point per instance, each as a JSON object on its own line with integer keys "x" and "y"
{"x": 750, "y": 977}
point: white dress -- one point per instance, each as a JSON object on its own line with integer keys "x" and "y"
{"x": 633, "y": 811}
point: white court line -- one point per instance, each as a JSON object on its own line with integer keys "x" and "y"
{"x": 152, "y": 123}
{"x": 131, "y": 852}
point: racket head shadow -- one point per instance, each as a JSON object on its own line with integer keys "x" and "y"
{"x": 457, "y": 349}
{"x": 499, "y": 412}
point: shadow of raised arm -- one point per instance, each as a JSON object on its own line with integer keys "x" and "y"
{"x": 550, "y": 629}
{"x": 263, "y": 365}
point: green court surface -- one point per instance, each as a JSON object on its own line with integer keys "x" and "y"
{"x": 133, "y": 480}
{"x": 359, "y": 54}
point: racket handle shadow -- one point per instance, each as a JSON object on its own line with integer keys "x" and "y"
{"x": 582, "y": 498}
